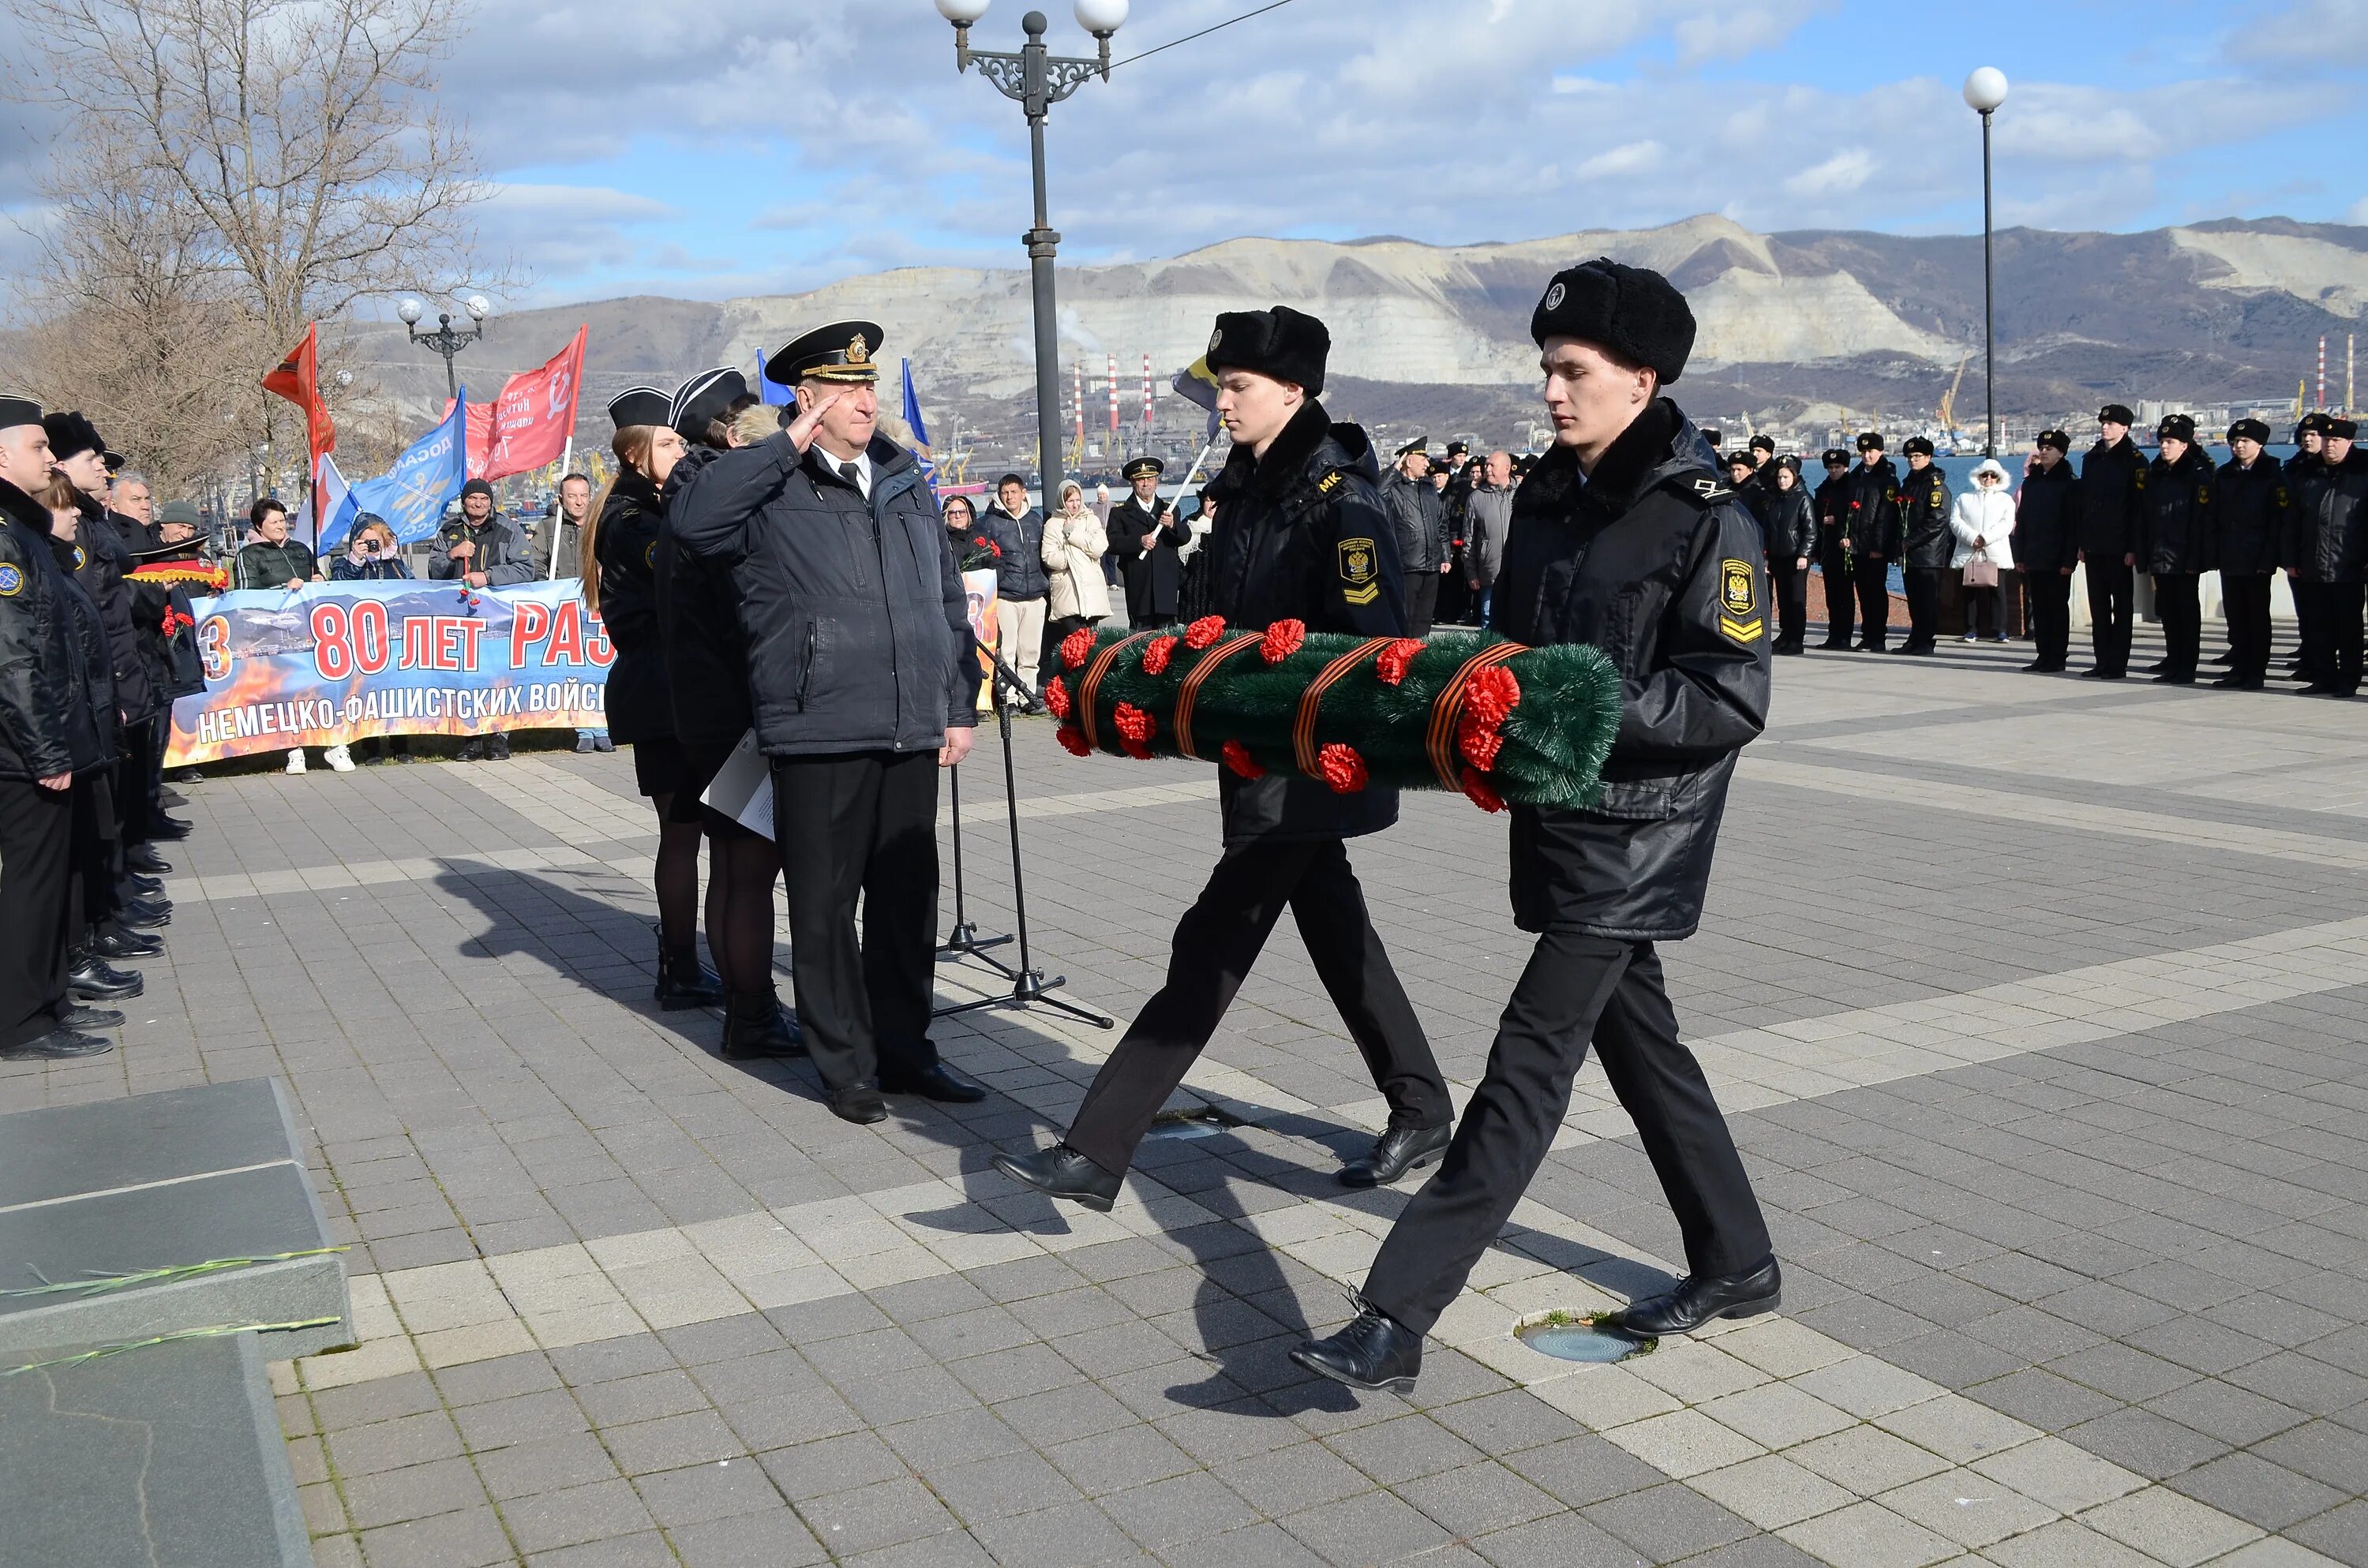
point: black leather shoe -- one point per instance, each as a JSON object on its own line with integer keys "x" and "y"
{"x": 144, "y": 886}
{"x": 1060, "y": 1172}
{"x": 73, "y": 1015}
{"x": 1395, "y": 1152}
{"x": 122, "y": 944}
{"x": 1373, "y": 1352}
{"x": 143, "y": 858}
{"x": 752, "y": 1032}
{"x": 2240, "y": 683}
{"x": 59, "y": 1045}
{"x": 144, "y": 914}
{"x": 939, "y": 1083}
{"x": 685, "y": 983}
{"x": 1698, "y": 1299}
{"x": 168, "y": 796}
{"x": 91, "y": 980}
{"x": 1832, "y": 647}
{"x": 167, "y": 829}
{"x": 858, "y": 1103}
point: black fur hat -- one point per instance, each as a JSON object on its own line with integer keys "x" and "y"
{"x": 1632, "y": 311}
{"x": 2254, "y": 428}
{"x": 2177, "y": 427}
{"x": 2059, "y": 439}
{"x": 1915, "y": 444}
{"x": 71, "y": 435}
{"x": 1290, "y": 345}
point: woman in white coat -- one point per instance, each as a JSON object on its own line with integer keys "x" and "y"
{"x": 1983, "y": 519}
{"x": 1074, "y": 542}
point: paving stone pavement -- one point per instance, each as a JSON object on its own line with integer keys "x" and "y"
{"x": 2037, "y": 1007}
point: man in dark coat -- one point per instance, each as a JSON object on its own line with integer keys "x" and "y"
{"x": 1925, "y": 543}
{"x": 2305, "y": 469}
{"x": 861, "y": 671}
{"x": 2047, "y": 547}
{"x": 1626, "y": 539}
{"x": 1832, "y": 506}
{"x": 1418, "y": 520}
{"x": 1300, "y": 535}
{"x": 2327, "y": 549}
{"x": 2181, "y": 535}
{"x": 2248, "y": 518}
{"x": 1870, "y": 529}
{"x": 2113, "y": 537}
{"x": 1022, "y": 588}
{"x": 1146, "y": 536}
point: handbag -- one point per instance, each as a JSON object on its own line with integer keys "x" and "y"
{"x": 1981, "y": 572}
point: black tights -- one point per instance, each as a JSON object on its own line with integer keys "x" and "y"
{"x": 741, "y": 869}
{"x": 676, "y": 882}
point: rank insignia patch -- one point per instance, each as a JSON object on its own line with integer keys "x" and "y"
{"x": 12, "y": 580}
{"x": 80, "y": 559}
{"x": 650, "y": 556}
{"x": 1358, "y": 573}
{"x": 1738, "y": 599}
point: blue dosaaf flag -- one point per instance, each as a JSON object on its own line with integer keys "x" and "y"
{"x": 920, "y": 430}
{"x": 775, "y": 394}
{"x": 411, "y": 495}
{"x": 1196, "y": 384}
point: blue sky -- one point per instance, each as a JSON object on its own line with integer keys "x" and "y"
{"x": 700, "y": 154}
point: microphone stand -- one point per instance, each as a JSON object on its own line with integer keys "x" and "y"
{"x": 963, "y": 941}
{"x": 1029, "y": 987}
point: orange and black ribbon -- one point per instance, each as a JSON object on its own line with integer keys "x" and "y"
{"x": 1303, "y": 729}
{"x": 1449, "y": 708}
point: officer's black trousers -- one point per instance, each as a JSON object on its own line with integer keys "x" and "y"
{"x": 2051, "y": 616}
{"x": 1575, "y": 990}
{"x": 2179, "y": 605}
{"x": 1216, "y": 942}
{"x": 2310, "y": 628}
{"x": 1873, "y": 601}
{"x": 134, "y": 795}
{"x": 1421, "y": 601}
{"x": 36, "y": 864}
{"x": 2246, "y": 597}
{"x": 2110, "y": 583}
{"x": 863, "y": 823}
{"x": 96, "y": 853}
{"x": 1789, "y": 583}
{"x": 1840, "y": 622}
{"x": 2331, "y": 647}
{"x": 1923, "y": 584}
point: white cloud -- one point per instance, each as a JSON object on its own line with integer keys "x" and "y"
{"x": 1633, "y": 157}
{"x": 1844, "y": 171}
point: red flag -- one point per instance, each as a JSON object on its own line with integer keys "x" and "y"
{"x": 528, "y": 424}
{"x": 298, "y": 380}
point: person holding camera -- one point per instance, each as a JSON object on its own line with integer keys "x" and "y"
{"x": 369, "y": 557}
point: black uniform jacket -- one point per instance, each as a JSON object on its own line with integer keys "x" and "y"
{"x": 99, "y": 561}
{"x": 47, "y": 724}
{"x": 1869, "y": 509}
{"x": 1301, "y": 535}
{"x": 2112, "y": 503}
{"x": 1152, "y": 576}
{"x": 2326, "y": 527}
{"x": 2181, "y": 535}
{"x": 2046, "y": 519}
{"x": 1831, "y": 503}
{"x": 705, "y": 657}
{"x": 2248, "y": 515}
{"x": 856, "y": 624}
{"x": 1788, "y": 525}
{"x": 1653, "y": 562}
{"x": 639, "y": 706}
{"x": 1926, "y": 541}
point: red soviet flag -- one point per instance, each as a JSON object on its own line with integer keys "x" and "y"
{"x": 298, "y": 378}
{"x": 528, "y": 424}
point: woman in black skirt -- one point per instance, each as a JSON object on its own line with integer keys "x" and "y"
{"x": 620, "y": 548}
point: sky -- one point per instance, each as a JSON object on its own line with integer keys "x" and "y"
{"x": 708, "y": 151}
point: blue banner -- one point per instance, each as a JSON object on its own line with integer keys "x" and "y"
{"x": 411, "y": 495}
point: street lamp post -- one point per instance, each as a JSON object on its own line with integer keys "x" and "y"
{"x": 1985, "y": 91}
{"x": 1037, "y": 80}
{"x": 446, "y": 339}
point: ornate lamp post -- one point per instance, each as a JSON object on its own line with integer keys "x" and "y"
{"x": 1038, "y": 80}
{"x": 1985, "y": 91}
{"x": 446, "y": 339}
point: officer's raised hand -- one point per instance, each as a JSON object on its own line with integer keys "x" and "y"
{"x": 801, "y": 430}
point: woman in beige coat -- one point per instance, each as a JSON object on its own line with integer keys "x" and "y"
{"x": 1074, "y": 542}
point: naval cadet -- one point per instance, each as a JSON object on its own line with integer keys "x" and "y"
{"x": 2326, "y": 533}
{"x": 1926, "y": 543}
{"x": 1871, "y": 531}
{"x": 2250, "y": 521}
{"x": 862, "y": 671}
{"x": 1300, "y": 534}
{"x": 1624, "y": 539}
{"x": 2180, "y": 535}
{"x": 2112, "y": 535}
{"x": 1832, "y": 506}
{"x": 2047, "y": 548}
{"x": 1146, "y": 538}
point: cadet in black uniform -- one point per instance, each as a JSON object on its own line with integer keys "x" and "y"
{"x": 2327, "y": 551}
{"x": 1300, "y": 534}
{"x": 1832, "y": 506}
{"x": 2248, "y": 520}
{"x": 2180, "y": 534}
{"x": 1791, "y": 529}
{"x": 2112, "y": 535}
{"x": 2047, "y": 547}
{"x": 1146, "y": 536}
{"x": 1925, "y": 545}
{"x": 1625, "y": 538}
{"x": 1870, "y": 521}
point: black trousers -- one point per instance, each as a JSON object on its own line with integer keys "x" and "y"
{"x": 2051, "y": 615}
{"x": 1575, "y": 989}
{"x": 2111, "y": 585}
{"x": 861, "y": 823}
{"x": 1789, "y": 583}
{"x": 35, "y": 868}
{"x": 2331, "y": 633}
{"x": 2245, "y": 596}
{"x": 135, "y": 796}
{"x": 1840, "y": 586}
{"x": 1421, "y": 602}
{"x": 1873, "y": 601}
{"x": 2179, "y": 603}
{"x": 1216, "y": 942}
{"x": 1923, "y": 584}
{"x": 96, "y": 853}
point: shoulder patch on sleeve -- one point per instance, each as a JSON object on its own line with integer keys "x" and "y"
{"x": 2279, "y": 495}
{"x": 1360, "y": 572}
{"x": 12, "y": 579}
{"x": 1329, "y": 483}
{"x": 1737, "y": 588}
{"x": 2141, "y": 475}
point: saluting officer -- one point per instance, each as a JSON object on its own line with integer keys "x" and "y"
{"x": 1146, "y": 536}
{"x": 1300, "y": 534}
{"x": 1869, "y": 516}
{"x": 2249, "y": 520}
{"x": 2180, "y": 534}
{"x": 2112, "y": 534}
{"x": 1624, "y": 540}
{"x": 1926, "y": 544}
{"x": 1832, "y": 504}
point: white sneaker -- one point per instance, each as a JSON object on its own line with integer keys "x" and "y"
{"x": 296, "y": 760}
{"x": 339, "y": 759}
{"x": 1969, "y": 637}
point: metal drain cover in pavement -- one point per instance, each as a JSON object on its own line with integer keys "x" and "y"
{"x": 1205, "y": 1122}
{"x": 1582, "y": 1342}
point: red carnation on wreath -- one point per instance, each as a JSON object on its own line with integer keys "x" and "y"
{"x": 1282, "y": 641}
{"x": 1481, "y": 794}
{"x": 1493, "y": 693}
{"x": 1342, "y": 768}
{"x": 1074, "y": 739}
{"x": 1056, "y": 696}
{"x": 1237, "y": 758}
{"x": 1479, "y": 742}
{"x": 1155, "y": 657}
{"x": 1078, "y": 647}
{"x": 1134, "y": 724}
{"x": 1203, "y": 632}
{"x": 1392, "y": 664}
